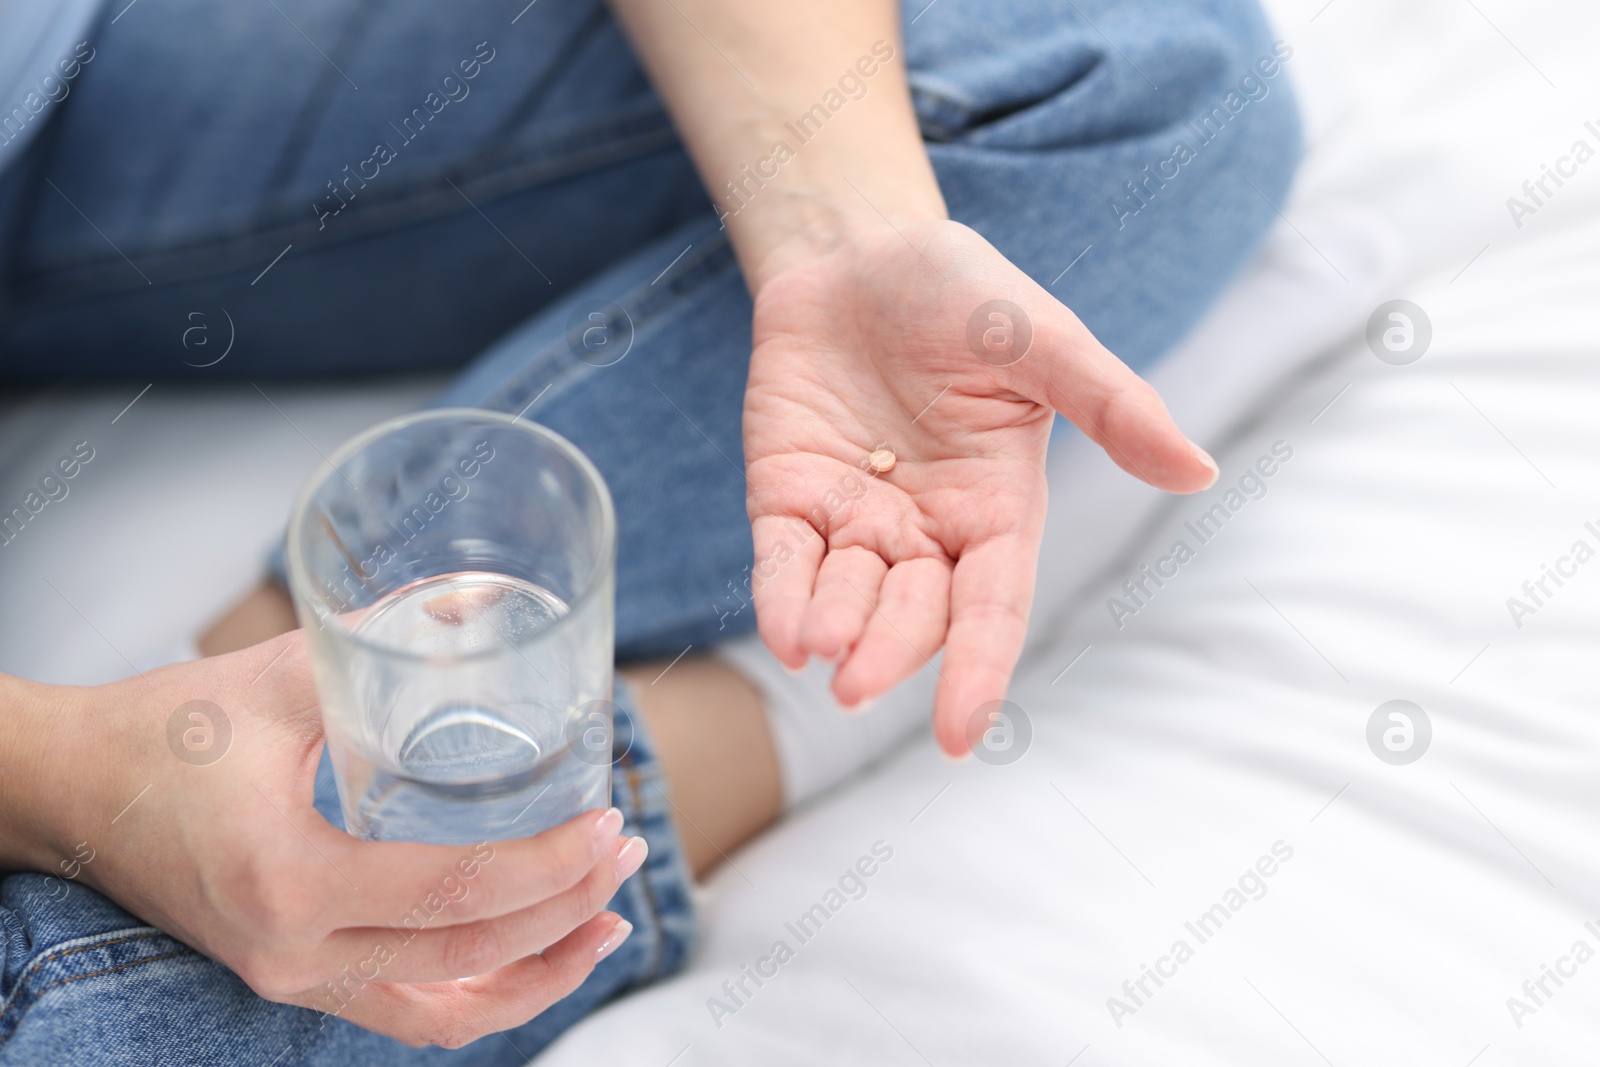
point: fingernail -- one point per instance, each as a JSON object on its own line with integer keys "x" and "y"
{"x": 792, "y": 670}
{"x": 1205, "y": 457}
{"x": 608, "y": 825}
{"x": 619, "y": 934}
{"x": 631, "y": 856}
{"x": 860, "y": 707}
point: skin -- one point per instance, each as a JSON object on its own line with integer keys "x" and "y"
{"x": 863, "y": 288}
{"x": 269, "y": 888}
{"x": 941, "y": 551}
{"x": 232, "y": 859}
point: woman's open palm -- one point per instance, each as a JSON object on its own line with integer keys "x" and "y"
{"x": 930, "y": 344}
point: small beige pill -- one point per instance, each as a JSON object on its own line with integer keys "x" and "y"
{"x": 882, "y": 461}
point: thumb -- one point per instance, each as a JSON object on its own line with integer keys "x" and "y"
{"x": 1056, "y": 361}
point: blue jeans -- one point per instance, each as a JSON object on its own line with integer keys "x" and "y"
{"x": 496, "y": 178}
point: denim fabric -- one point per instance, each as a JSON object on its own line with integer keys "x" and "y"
{"x": 557, "y": 180}
{"x": 40, "y": 57}
{"x": 87, "y": 983}
{"x": 208, "y": 140}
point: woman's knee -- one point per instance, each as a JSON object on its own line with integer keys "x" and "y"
{"x": 1155, "y": 141}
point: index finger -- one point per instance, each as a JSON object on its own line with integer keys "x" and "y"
{"x": 784, "y": 578}
{"x": 454, "y": 884}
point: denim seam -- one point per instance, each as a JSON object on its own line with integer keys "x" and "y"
{"x": 11, "y": 1026}
{"x": 629, "y": 132}
{"x": 60, "y": 953}
{"x": 657, "y": 948}
{"x": 110, "y": 970}
{"x": 422, "y": 199}
{"x": 11, "y": 1018}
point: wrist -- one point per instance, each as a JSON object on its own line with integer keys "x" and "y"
{"x": 40, "y": 741}
{"x": 800, "y": 225}
{"x": 24, "y": 786}
{"x": 858, "y": 179}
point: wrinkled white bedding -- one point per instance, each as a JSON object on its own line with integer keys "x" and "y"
{"x": 1212, "y": 751}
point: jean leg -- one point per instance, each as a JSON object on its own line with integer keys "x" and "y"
{"x": 217, "y": 163}
{"x": 205, "y": 141}
{"x": 1051, "y": 130}
{"x": 661, "y": 423}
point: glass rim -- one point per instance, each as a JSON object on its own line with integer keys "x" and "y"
{"x": 298, "y": 572}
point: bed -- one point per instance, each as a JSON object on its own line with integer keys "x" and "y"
{"x": 1325, "y": 791}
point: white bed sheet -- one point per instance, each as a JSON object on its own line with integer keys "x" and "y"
{"x": 1226, "y": 717}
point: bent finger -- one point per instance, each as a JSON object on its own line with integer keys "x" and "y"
{"x": 466, "y": 950}
{"x": 842, "y": 602}
{"x": 452, "y": 884}
{"x": 907, "y": 627}
{"x": 452, "y": 1014}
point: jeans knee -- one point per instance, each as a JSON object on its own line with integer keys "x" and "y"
{"x": 1245, "y": 116}
{"x": 1030, "y": 79}
{"x": 1161, "y": 134}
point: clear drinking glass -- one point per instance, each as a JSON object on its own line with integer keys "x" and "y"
{"x": 454, "y": 571}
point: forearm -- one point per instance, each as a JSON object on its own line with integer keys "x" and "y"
{"x": 37, "y": 736}
{"x": 798, "y": 117}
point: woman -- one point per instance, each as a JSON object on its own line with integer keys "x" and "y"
{"x": 899, "y": 204}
